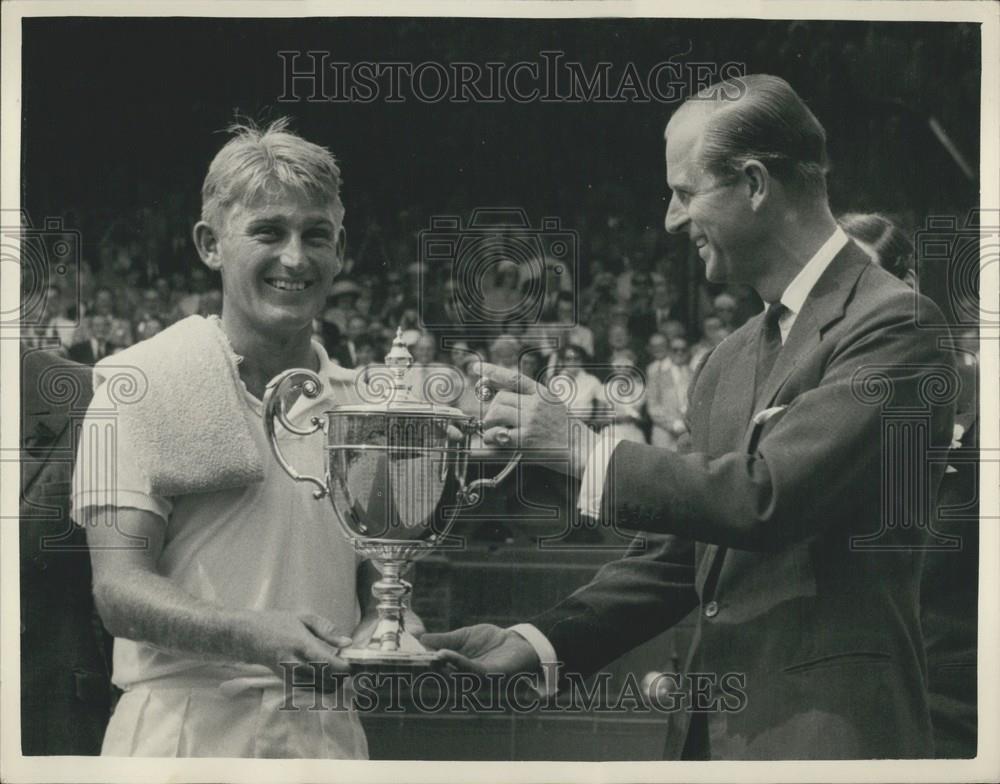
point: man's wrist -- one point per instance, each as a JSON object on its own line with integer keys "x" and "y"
{"x": 545, "y": 655}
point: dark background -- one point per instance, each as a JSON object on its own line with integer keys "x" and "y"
{"x": 121, "y": 120}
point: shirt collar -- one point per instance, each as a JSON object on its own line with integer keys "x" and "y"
{"x": 795, "y": 295}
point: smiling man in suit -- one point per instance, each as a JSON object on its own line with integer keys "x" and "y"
{"x": 777, "y": 526}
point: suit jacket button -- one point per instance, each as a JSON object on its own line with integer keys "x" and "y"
{"x": 711, "y": 609}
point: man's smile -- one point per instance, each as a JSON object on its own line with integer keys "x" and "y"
{"x": 287, "y": 284}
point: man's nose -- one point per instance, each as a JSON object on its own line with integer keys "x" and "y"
{"x": 293, "y": 254}
{"x": 676, "y": 217}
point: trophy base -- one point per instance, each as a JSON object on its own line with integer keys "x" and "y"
{"x": 371, "y": 658}
{"x": 410, "y": 656}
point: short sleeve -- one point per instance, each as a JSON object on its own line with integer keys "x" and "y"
{"x": 105, "y": 474}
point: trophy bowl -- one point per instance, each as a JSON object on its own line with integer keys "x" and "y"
{"x": 395, "y": 478}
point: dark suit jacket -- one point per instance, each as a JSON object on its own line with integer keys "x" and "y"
{"x": 65, "y": 672}
{"x": 83, "y": 352}
{"x": 758, "y": 528}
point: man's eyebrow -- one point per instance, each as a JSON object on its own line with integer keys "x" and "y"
{"x": 264, "y": 219}
{"x": 320, "y": 220}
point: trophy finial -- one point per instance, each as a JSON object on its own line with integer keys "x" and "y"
{"x": 398, "y": 360}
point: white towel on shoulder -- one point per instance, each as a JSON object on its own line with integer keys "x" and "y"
{"x": 181, "y": 404}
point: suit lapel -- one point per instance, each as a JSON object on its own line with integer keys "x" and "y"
{"x": 733, "y": 403}
{"x": 824, "y": 305}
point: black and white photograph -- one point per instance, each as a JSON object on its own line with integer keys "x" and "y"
{"x": 500, "y": 389}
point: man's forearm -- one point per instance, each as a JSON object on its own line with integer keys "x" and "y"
{"x": 143, "y": 606}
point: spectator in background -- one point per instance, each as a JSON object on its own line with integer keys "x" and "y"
{"x": 667, "y": 390}
{"x": 165, "y": 295}
{"x": 884, "y": 242}
{"x": 505, "y": 351}
{"x": 433, "y": 381}
{"x": 666, "y": 303}
{"x": 558, "y": 281}
{"x": 328, "y": 334}
{"x": 99, "y": 343}
{"x": 565, "y": 329}
{"x": 658, "y": 350}
{"x": 150, "y": 306}
{"x": 188, "y": 304}
{"x": 148, "y": 327}
{"x": 724, "y": 306}
{"x": 64, "y": 323}
{"x": 119, "y": 331}
{"x": 674, "y": 329}
{"x": 712, "y": 334}
{"x": 39, "y": 333}
{"x": 618, "y": 344}
{"x": 459, "y": 353}
{"x": 340, "y": 303}
{"x": 581, "y": 392}
{"x": 366, "y": 353}
{"x": 624, "y": 396}
{"x": 391, "y": 309}
{"x": 424, "y": 351}
{"x": 502, "y": 294}
{"x": 598, "y": 300}
{"x": 641, "y": 298}
{"x": 357, "y": 327}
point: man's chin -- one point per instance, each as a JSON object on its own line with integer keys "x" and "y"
{"x": 288, "y": 320}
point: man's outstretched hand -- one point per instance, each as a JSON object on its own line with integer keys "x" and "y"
{"x": 484, "y": 648}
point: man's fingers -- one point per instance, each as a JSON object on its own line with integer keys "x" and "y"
{"x": 452, "y": 639}
{"x": 325, "y": 629}
{"x": 504, "y": 437}
{"x": 504, "y": 378}
{"x": 500, "y": 414}
{"x": 458, "y": 661}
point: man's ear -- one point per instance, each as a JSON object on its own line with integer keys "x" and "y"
{"x": 341, "y": 243}
{"x": 207, "y": 243}
{"x": 758, "y": 180}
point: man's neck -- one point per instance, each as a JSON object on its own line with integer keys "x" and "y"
{"x": 265, "y": 355}
{"x": 790, "y": 249}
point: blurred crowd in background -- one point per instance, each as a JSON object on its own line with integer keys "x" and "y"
{"x": 615, "y": 329}
{"x": 628, "y": 318}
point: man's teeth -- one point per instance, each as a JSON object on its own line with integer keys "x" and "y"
{"x": 288, "y": 285}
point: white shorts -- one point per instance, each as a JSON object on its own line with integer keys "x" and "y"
{"x": 155, "y": 721}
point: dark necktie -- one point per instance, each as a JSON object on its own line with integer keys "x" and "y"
{"x": 770, "y": 343}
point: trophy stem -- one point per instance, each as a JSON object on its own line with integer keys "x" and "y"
{"x": 391, "y": 591}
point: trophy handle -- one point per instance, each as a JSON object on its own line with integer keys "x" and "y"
{"x": 472, "y": 493}
{"x": 274, "y": 409}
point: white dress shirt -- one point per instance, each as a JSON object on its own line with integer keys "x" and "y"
{"x": 592, "y": 484}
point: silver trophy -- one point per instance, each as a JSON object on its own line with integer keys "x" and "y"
{"x": 395, "y": 477}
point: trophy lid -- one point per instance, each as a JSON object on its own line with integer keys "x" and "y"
{"x": 400, "y": 399}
